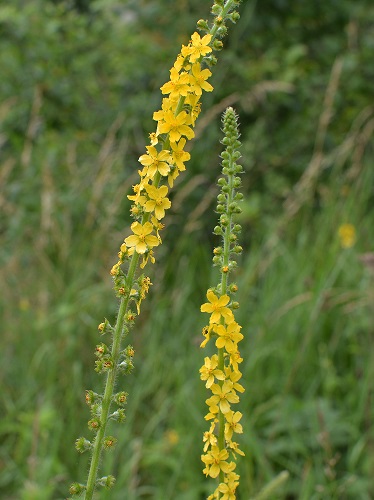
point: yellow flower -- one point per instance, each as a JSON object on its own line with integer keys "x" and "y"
{"x": 178, "y": 84}
{"x": 209, "y": 371}
{"x": 235, "y": 359}
{"x": 216, "y": 306}
{"x": 209, "y": 438}
{"x": 234, "y": 376}
{"x": 138, "y": 189}
{"x": 215, "y": 461}
{"x": 228, "y": 337}
{"x": 155, "y": 162}
{"x": 234, "y": 448}
{"x": 197, "y": 47}
{"x": 347, "y": 235}
{"x": 223, "y": 396}
{"x": 232, "y": 424}
{"x": 142, "y": 240}
{"x": 175, "y": 126}
{"x": 157, "y": 201}
{"x": 198, "y": 79}
{"x": 178, "y": 156}
{"x": 228, "y": 490}
{"x": 193, "y": 101}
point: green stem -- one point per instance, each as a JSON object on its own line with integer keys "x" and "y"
{"x": 224, "y": 285}
{"x": 110, "y": 383}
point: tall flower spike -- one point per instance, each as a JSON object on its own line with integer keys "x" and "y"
{"x": 221, "y": 371}
{"x": 164, "y": 160}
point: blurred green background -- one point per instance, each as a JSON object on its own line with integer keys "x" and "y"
{"x": 79, "y": 82}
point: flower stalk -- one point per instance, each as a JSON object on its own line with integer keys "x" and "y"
{"x": 161, "y": 165}
{"x": 221, "y": 370}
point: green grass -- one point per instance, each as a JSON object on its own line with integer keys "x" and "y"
{"x": 306, "y": 311}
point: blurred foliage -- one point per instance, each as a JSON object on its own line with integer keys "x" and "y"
{"x": 79, "y": 83}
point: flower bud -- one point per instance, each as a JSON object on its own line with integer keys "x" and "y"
{"x": 94, "y": 424}
{"x": 203, "y": 25}
{"x": 106, "y": 481}
{"x": 77, "y": 489}
{"x": 218, "y": 231}
{"x": 82, "y": 445}
{"x": 224, "y": 220}
{"x": 92, "y": 397}
{"x": 109, "y": 442}
{"x": 217, "y": 260}
{"x": 119, "y": 416}
{"x": 120, "y": 398}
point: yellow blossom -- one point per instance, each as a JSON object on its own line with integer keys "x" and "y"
{"x": 155, "y": 162}
{"x": 232, "y": 424}
{"x": 178, "y": 156}
{"x": 234, "y": 376}
{"x": 175, "y": 126}
{"x": 215, "y": 461}
{"x": 228, "y": 337}
{"x": 197, "y": 47}
{"x": 228, "y": 490}
{"x": 347, "y": 235}
{"x": 217, "y": 307}
{"x": 234, "y": 448}
{"x": 223, "y": 396}
{"x": 195, "y": 107}
{"x": 142, "y": 240}
{"x": 209, "y": 438}
{"x": 209, "y": 371}
{"x": 235, "y": 359}
{"x": 178, "y": 84}
{"x": 198, "y": 79}
{"x": 157, "y": 202}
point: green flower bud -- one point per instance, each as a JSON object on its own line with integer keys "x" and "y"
{"x": 218, "y": 231}
{"x": 217, "y": 8}
{"x": 203, "y": 25}
{"x": 94, "y": 424}
{"x": 82, "y": 445}
{"x": 120, "y": 398}
{"x": 106, "y": 481}
{"x": 77, "y": 489}
{"x": 119, "y": 416}
{"x": 217, "y": 260}
{"x": 92, "y": 397}
{"x": 109, "y": 442}
{"x": 224, "y": 220}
